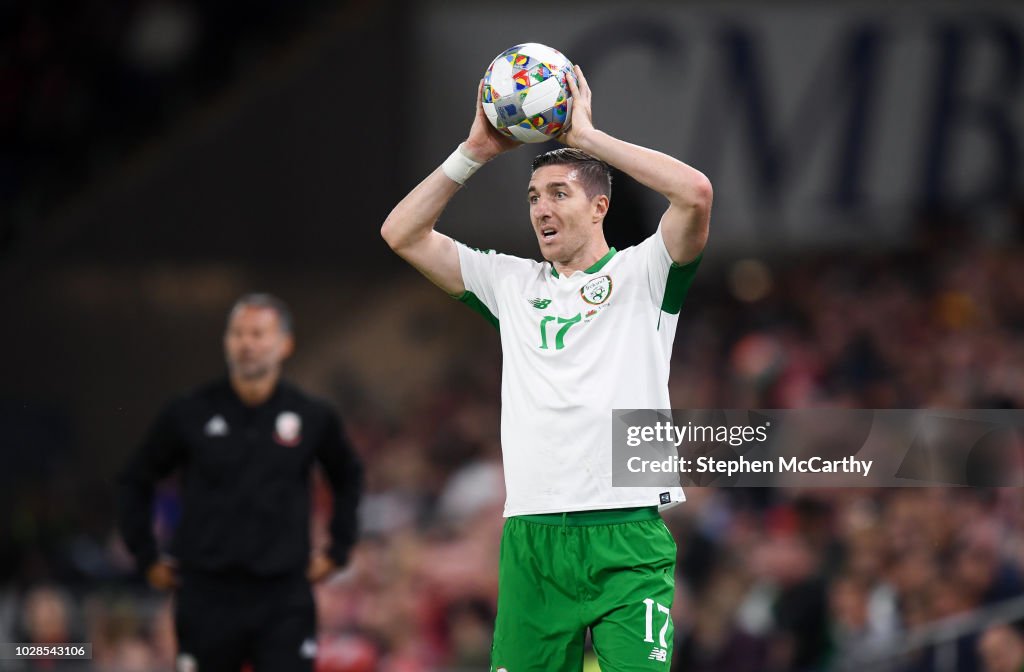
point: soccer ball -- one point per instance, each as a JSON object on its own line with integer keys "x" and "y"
{"x": 526, "y": 95}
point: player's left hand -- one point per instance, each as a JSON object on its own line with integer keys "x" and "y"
{"x": 581, "y": 120}
{"x": 320, "y": 567}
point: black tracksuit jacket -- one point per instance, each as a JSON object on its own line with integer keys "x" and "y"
{"x": 245, "y": 487}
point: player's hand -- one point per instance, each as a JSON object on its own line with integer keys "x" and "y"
{"x": 320, "y": 567}
{"x": 484, "y": 141}
{"x": 581, "y": 121}
{"x": 163, "y": 575}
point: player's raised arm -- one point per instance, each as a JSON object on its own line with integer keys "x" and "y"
{"x": 409, "y": 229}
{"x": 685, "y": 224}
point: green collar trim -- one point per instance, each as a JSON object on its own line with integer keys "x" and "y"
{"x": 598, "y": 265}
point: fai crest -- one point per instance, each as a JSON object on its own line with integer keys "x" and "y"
{"x": 597, "y": 291}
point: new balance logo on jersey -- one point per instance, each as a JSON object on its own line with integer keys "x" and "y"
{"x": 660, "y": 655}
{"x": 539, "y": 304}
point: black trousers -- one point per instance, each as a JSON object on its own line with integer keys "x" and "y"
{"x": 225, "y": 621}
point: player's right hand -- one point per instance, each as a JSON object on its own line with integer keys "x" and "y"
{"x": 484, "y": 141}
{"x": 163, "y": 575}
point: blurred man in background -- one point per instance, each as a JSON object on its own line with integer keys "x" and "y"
{"x": 241, "y": 561}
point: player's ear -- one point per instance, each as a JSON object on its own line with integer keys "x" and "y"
{"x": 288, "y": 347}
{"x": 600, "y": 205}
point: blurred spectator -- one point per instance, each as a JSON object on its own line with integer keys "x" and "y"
{"x": 853, "y": 629}
{"x": 46, "y": 616}
{"x": 1002, "y": 649}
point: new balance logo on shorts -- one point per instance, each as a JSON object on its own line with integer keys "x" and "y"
{"x": 660, "y": 655}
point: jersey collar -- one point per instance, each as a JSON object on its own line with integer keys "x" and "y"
{"x": 598, "y": 265}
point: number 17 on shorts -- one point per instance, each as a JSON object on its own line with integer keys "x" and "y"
{"x": 659, "y": 652}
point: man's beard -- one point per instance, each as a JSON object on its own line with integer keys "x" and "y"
{"x": 253, "y": 371}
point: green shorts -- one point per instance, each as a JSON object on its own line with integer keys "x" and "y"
{"x": 612, "y": 571}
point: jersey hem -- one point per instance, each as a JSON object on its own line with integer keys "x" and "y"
{"x": 595, "y": 507}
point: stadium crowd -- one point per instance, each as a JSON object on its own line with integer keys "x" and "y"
{"x": 769, "y": 579}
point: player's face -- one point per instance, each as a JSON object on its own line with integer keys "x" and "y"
{"x": 254, "y": 343}
{"x": 564, "y": 219}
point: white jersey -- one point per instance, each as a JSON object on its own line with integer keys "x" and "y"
{"x": 574, "y": 348}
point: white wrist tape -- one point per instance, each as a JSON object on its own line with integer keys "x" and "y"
{"x": 459, "y": 167}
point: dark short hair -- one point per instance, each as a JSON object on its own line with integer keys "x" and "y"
{"x": 595, "y": 174}
{"x": 264, "y": 300}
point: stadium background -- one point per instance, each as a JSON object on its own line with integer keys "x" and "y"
{"x": 160, "y": 157}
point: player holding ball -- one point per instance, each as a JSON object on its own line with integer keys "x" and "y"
{"x": 585, "y": 331}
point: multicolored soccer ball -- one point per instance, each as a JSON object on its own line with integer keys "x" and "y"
{"x": 526, "y": 95}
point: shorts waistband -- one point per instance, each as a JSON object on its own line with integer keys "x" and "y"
{"x": 599, "y": 517}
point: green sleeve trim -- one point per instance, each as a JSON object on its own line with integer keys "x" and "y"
{"x": 471, "y": 300}
{"x": 680, "y": 277}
